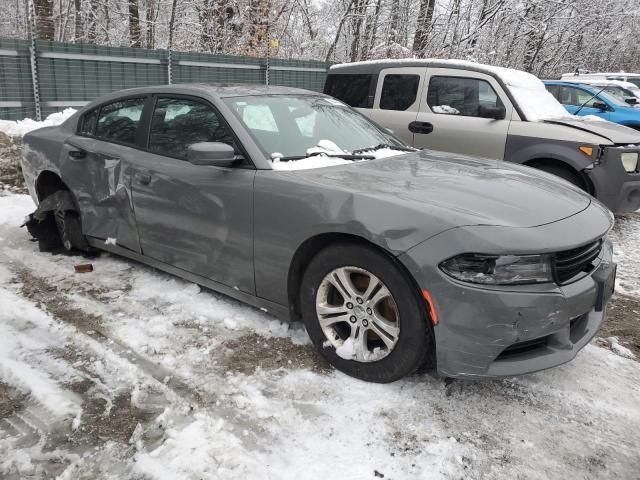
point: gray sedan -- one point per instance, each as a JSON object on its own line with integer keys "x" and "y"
{"x": 395, "y": 259}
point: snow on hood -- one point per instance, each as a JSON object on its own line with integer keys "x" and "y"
{"x": 19, "y": 128}
{"x": 319, "y": 157}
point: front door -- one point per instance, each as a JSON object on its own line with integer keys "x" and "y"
{"x": 580, "y": 102}
{"x": 450, "y": 109}
{"x": 397, "y": 100}
{"x": 196, "y": 218}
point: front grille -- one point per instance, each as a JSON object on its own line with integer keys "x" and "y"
{"x": 568, "y": 265}
{"x": 523, "y": 347}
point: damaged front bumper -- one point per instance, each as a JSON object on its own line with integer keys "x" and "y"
{"x": 496, "y": 331}
{"x": 618, "y": 189}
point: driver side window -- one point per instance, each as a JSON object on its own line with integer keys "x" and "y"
{"x": 460, "y": 96}
{"x": 576, "y": 97}
{"x": 178, "y": 123}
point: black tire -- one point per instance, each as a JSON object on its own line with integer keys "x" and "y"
{"x": 564, "y": 173}
{"x": 414, "y": 347}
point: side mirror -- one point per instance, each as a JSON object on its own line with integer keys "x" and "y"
{"x": 488, "y": 111}
{"x": 601, "y": 106}
{"x": 631, "y": 100}
{"x": 216, "y": 154}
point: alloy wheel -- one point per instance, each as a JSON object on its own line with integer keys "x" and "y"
{"x": 357, "y": 314}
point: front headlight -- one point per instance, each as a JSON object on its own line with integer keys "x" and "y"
{"x": 629, "y": 161}
{"x": 499, "y": 269}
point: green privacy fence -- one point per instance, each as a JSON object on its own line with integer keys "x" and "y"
{"x": 40, "y": 77}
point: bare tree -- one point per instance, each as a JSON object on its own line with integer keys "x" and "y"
{"x": 135, "y": 38}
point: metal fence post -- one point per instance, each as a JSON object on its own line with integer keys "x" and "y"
{"x": 169, "y": 67}
{"x": 266, "y": 72}
{"x": 33, "y": 58}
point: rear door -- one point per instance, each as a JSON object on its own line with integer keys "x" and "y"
{"x": 194, "y": 217}
{"x": 397, "y": 100}
{"x": 99, "y": 162}
{"x": 449, "y": 114}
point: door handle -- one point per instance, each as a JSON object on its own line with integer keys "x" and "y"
{"x": 77, "y": 154}
{"x": 420, "y": 127}
{"x": 143, "y": 178}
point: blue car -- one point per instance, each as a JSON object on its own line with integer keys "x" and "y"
{"x": 582, "y": 100}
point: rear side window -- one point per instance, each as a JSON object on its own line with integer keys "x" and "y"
{"x": 553, "y": 90}
{"x": 352, "y": 89}
{"x": 460, "y": 96}
{"x": 178, "y": 123}
{"x": 118, "y": 121}
{"x": 399, "y": 91}
{"x": 88, "y": 124}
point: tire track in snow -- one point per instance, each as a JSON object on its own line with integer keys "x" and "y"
{"x": 37, "y": 289}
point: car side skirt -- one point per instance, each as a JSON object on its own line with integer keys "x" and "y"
{"x": 279, "y": 311}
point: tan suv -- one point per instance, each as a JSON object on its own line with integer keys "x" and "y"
{"x": 475, "y": 109}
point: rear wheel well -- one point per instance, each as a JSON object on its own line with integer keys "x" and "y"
{"x": 47, "y": 184}
{"x": 563, "y": 170}
{"x": 305, "y": 253}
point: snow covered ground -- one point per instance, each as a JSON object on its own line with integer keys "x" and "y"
{"x": 126, "y": 372}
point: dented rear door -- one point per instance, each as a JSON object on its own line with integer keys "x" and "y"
{"x": 97, "y": 166}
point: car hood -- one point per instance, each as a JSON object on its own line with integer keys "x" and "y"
{"x": 617, "y": 134}
{"x": 458, "y": 190}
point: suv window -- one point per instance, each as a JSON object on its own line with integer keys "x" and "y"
{"x": 399, "y": 91}
{"x": 118, "y": 121}
{"x": 178, "y": 123}
{"x": 352, "y": 89}
{"x": 460, "y": 96}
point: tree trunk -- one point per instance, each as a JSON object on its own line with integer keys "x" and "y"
{"x": 134, "y": 24}
{"x": 359, "y": 8}
{"x": 371, "y": 31}
{"x": 258, "y": 27}
{"x": 425, "y": 16}
{"x": 332, "y": 47}
{"x": 172, "y": 23}
{"x": 394, "y": 22}
{"x": 44, "y": 19}
{"x": 78, "y": 30}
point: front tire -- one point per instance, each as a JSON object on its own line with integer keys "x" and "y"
{"x": 570, "y": 176}
{"x": 365, "y": 315}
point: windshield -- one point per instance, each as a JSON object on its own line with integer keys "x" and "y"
{"x": 286, "y": 126}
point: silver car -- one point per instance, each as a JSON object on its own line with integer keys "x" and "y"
{"x": 395, "y": 259}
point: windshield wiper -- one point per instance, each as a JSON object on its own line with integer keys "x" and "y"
{"x": 346, "y": 156}
{"x": 380, "y": 146}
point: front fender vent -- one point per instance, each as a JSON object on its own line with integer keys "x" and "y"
{"x": 572, "y": 265}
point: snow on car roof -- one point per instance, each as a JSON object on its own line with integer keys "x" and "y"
{"x": 528, "y": 91}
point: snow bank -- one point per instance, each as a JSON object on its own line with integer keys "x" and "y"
{"x": 20, "y": 127}
{"x": 528, "y": 91}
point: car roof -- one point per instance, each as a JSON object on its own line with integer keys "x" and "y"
{"x": 221, "y": 90}
{"x": 375, "y": 66}
{"x": 586, "y": 86}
